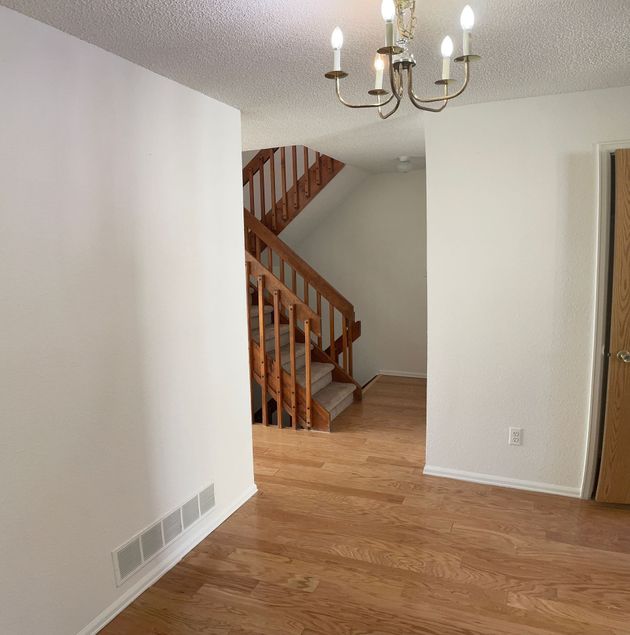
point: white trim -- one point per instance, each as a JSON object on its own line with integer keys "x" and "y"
{"x": 402, "y": 373}
{"x": 501, "y": 481}
{"x": 370, "y": 383}
{"x": 213, "y": 520}
{"x": 594, "y": 427}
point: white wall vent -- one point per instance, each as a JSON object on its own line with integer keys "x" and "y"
{"x": 151, "y": 541}
{"x": 172, "y": 525}
{"x": 129, "y": 558}
{"x": 206, "y": 500}
{"x": 135, "y": 553}
{"x": 190, "y": 512}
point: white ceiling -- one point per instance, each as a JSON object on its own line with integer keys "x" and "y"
{"x": 267, "y": 57}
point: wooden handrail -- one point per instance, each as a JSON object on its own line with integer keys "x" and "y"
{"x": 259, "y": 159}
{"x": 307, "y": 272}
{"x": 287, "y": 297}
{"x": 335, "y": 347}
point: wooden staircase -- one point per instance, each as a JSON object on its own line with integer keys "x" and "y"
{"x": 289, "y": 303}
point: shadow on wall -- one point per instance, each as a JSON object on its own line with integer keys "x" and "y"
{"x": 372, "y": 248}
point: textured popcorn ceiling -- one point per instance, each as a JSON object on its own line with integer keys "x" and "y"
{"x": 267, "y": 57}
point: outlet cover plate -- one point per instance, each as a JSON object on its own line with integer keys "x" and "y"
{"x": 516, "y": 436}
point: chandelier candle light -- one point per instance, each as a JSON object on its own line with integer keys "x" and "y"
{"x": 400, "y": 26}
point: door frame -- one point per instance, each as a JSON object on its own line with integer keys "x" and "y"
{"x": 604, "y": 200}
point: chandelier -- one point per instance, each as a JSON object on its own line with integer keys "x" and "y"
{"x": 400, "y": 26}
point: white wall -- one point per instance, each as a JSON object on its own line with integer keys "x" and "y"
{"x": 372, "y": 248}
{"x": 512, "y": 231}
{"x": 122, "y": 288}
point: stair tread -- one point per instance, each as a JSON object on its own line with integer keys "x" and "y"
{"x": 253, "y": 311}
{"x": 285, "y": 351}
{"x": 333, "y": 394}
{"x": 269, "y": 332}
{"x": 318, "y": 370}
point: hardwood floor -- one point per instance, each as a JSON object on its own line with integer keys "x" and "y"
{"x": 348, "y": 537}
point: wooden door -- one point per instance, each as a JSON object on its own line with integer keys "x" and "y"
{"x": 614, "y": 473}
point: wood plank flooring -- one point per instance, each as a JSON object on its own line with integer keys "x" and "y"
{"x": 347, "y": 537}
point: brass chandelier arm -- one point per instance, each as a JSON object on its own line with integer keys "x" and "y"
{"x": 446, "y": 98}
{"x": 349, "y": 105}
{"x": 428, "y": 108}
{"x": 393, "y": 110}
{"x": 396, "y": 83}
{"x": 395, "y": 80}
{"x": 419, "y": 104}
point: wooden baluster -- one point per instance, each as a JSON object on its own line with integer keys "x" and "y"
{"x": 307, "y": 293}
{"x": 283, "y": 169}
{"x": 258, "y": 247}
{"x": 307, "y": 174}
{"x": 333, "y": 347}
{"x": 262, "y": 344}
{"x": 293, "y": 370}
{"x": 296, "y": 202}
{"x": 318, "y": 170}
{"x": 350, "y": 363}
{"x": 272, "y": 174}
{"x": 269, "y": 258}
{"x": 281, "y": 270}
{"x": 344, "y": 345}
{"x": 261, "y": 181}
{"x": 319, "y": 313}
{"x": 293, "y": 280}
{"x": 276, "y": 321}
{"x": 249, "y": 333}
{"x": 307, "y": 372}
{"x": 252, "y": 198}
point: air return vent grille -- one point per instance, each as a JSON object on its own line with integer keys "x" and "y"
{"x": 206, "y": 499}
{"x": 149, "y": 542}
{"x": 190, "y": 512}
{"x": 172, "y": 526}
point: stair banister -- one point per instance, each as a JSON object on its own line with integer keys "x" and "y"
{"x": 262, "y": 227}
{"x": 263, "y": 357}
{"x": 293, "y": 365}
{"x": 278, "y": 363}
{"x": 287, "y": 298}
{"x": 268, "y": 238}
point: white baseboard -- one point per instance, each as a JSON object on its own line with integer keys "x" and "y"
{"x": 501, "y": 481}
{"x": 214, "y": 519}
{"x": 402, "y": 373}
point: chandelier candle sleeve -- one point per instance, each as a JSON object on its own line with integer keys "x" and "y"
{"x": 337, "y": 42}
{"x": 467, "y": 21}
{"x": 388, "y": 11}
{"x": 447, "y": 51}
{"x": 379, "y": 66}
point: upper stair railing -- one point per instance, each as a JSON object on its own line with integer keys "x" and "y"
{"x": 280, "y": 182}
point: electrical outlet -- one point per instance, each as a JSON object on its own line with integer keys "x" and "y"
{"x": 516, "y": 436}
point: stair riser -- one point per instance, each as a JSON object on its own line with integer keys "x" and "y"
{"x": 300, "y": 362}
{"x": 322, "y": 382}
{"x": 254, "y": 320}
{"x": 270, "y": 344}
{"x": 339, "y": 408}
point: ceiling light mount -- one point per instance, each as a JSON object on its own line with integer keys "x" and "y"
{"x": 400, "y": 26}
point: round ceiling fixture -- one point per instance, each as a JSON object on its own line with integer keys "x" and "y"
{"x": 404, "y": 164}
